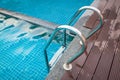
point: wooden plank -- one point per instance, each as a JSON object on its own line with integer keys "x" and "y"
{"x": 91, "y": 21}
{"x": 104, "y": 66}
{"x": 89, "y": 24}
{"x": 102, "y": 4}
{"x": 91, "y": 63}
{"x": 115, "y": 70}
{"x": 110, "y": 7}
{"x": 88, "y": 69}
{"x": 81, "y": 60}
{"x": 113, "y": 10}
{"x": 78, "y": 63}
{"x": 71, "y": 75}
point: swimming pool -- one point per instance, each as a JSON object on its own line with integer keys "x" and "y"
{"x": 21, "y": 49}
{"x": 22, "y": 43}
{"x": 57, "y": 11}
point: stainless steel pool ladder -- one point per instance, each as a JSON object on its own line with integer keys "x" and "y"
{"x": 67, "y": 27}
{"x": 67, "y": 65}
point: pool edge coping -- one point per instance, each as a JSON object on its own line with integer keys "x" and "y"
{"x": 30, "y": 19}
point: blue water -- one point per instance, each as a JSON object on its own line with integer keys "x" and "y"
{"x": 57, "y": 11}
{"x": 22, "y": 43}
{"x": 21, "y": 53}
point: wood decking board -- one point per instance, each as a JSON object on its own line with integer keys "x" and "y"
{"x": 103, "y": 68}
{"x": 78, "y": 63}
{"x": 115, "y": 68}
{"x": 102, "y": 63}
{"x": 72, "y": 75}
{"x": 92, "y": 21}
{"x": 102, "y": 71}
{"x": 94, "y": 17}
{"x": 93, "y": 59}
{"x": 67, "y": 75}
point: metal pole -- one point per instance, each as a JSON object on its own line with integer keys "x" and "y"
{"x": 46, "y": 61}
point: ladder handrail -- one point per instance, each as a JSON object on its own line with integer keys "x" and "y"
{"x": 67, "y": 65}
{"x": 88, "y": 8}
{"x": 66, "y": 27}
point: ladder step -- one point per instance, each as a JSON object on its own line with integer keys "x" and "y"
{"x": 56, "y": 57}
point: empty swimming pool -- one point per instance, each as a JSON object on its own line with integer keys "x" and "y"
{"x": 57, "y": 11}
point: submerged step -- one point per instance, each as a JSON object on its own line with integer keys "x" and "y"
{"x": 56, "y": 57}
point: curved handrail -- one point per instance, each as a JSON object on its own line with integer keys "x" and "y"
{"x": 88, "y": 8}
{"x": 82, "y": 42}
{"x": 67, "y": 65}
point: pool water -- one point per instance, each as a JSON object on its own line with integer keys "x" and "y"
{"x": 21, "y": 49}
{"x": 56, "y": 11}
{"x": 22, "y": 43}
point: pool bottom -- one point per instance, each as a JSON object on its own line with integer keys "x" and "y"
{"x": 21, "y": 49}
{"x": 23, "y": 59}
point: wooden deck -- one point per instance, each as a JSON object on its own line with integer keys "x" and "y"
{"x": 102, "y": 61}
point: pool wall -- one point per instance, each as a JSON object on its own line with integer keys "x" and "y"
{"x": 30, "y": 19}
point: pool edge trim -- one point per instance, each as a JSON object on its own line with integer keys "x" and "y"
{"x": 30, "y": 19}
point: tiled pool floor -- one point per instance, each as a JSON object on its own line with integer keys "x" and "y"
{"x": 21, "y": 49}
